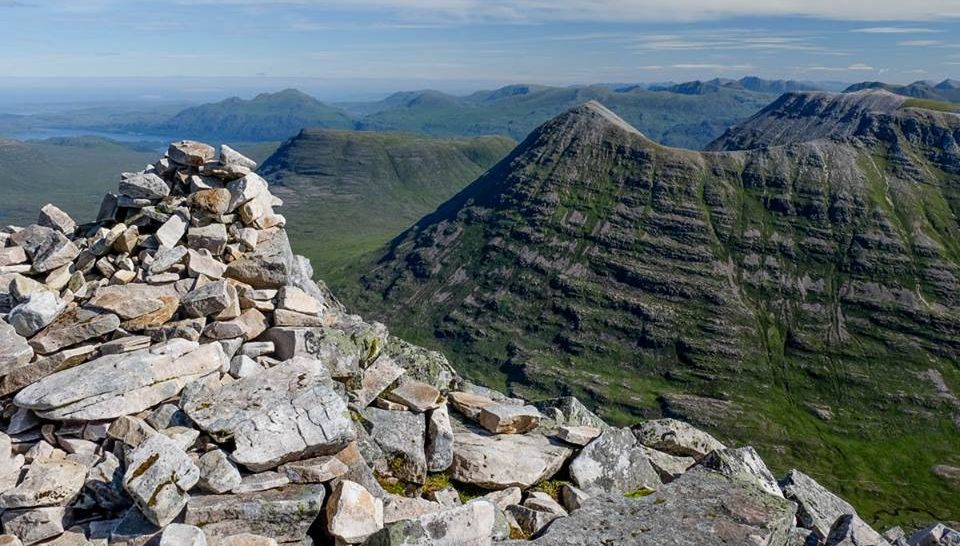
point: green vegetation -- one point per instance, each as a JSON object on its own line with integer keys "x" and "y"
{"x": 640, "y": 493}
{"x": 929, "y": 104}
{"x": 348, "y": 193}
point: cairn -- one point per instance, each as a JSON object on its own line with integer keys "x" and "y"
{"x": 172, "y": 375}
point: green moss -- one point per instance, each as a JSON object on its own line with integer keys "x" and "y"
{"x": 639, "y": 493}
{"x": 551, "y": 487}
{"x": 436, "y": 482}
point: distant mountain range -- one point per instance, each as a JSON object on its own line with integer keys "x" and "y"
{"x": 947, "y": 90}
{"x": 802, "y": 295}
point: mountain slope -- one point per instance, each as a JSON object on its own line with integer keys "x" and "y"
{"x": 804, "y": 297}
{"x": 268, "y": 116}
{"x": 672, "y": 118}
{"x": 947, "y": 90}
{"x": 350, "y": 192}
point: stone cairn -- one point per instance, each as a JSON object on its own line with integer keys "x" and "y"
{"x": 171, "y": 375}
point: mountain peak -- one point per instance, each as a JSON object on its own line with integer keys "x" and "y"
{"x": 596, "y": 114}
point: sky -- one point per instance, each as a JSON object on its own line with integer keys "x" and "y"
{"x": 360, "y": 48}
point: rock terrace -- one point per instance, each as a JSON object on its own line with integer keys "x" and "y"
{"x": 172, "y": 375}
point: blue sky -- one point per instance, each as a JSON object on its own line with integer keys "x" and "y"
{"x": 373, "y": 45}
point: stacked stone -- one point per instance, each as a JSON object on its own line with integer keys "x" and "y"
{"x": 171, "y": 375}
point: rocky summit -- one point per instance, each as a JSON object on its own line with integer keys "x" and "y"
{"x": 796, "y": 290}
{"x": 171, "y": 375}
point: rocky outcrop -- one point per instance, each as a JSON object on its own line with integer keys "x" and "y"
{"x": 172, "y": 400}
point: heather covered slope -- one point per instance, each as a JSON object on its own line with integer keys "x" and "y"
{"x": 803, "y": 298}
{"x": 350, "y": 192}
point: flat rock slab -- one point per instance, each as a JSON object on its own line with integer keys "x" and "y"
{"x": 116, "y": 385}
{"x": 159, "y": 474}
{"x": 15, "y": 352}
{"x": 401, "y": 436}
{"x": 48, "y": 483}
{"x": 269, "y": 265}
{"x": 416, "y": 395}
{"x": 676, "y": 438}
{"x": 469, "y": 525}
{"x": 694, "y": 510}
{"x": 284, "y": 514}
{"x": 509, "y": 460}
{"x": 614, "y": 463}
{"x": 818, "y": 508}
{"x": 508, "y": 418}
{"x": 73, "y": 326}
{"x": 285, "y": 413}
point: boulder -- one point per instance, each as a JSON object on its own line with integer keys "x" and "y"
{"x": 229, "y": 156}
{"x": 159, "y": 474}
{"x": 52, "y": 217}
{"x": 353, "y": 514}
{"x": 247, "y": 539}
{"x": 212, "y": 237}
{"x": 400, "y": 434}
{"x": 217, "y": 472}
{"x": 15, "y": 352}
{"x": 48, "y": 482}
{"x": 817, "y": 508}
{"x": 398, "y": 507}
{"x": 439, "y": 445}
{"x": 508, "y": 418}
{"x": 694, "y": 510}
{"x": 209, "y": 299}
{"x": 47, "y": 248}
{"x": 73, "y": 326}
{"x": 578, "y": 435}
{"x": 116, "y": 385}
{"x": 178, "y": 534}
{"x": 315, "y": 470}
{"x": 190, "y": 153}
{"x": 935, "y": 535}
{"x": 469, "y": 525}
{"x": 416, "y": 395}
{"x": 380, "y": 375}
{"x": 269, "y": 265}
{"x": 742, "y": 463}
{"x": 479, "y": 459}
{"x": 615, "y": 464}
{"x": 344, "y": 351}
{"x": 144, "y": 186}
{"x": 250, "y": 324}
{"x": 529, "y": 520}
{"x": 284, "y": 514}
{"x": 676, "y": 438}
{"x": 35, "y": 524}
{"x": 274, "y": 419}
{"x": 850, "y": 530}
{"x": 170, "y": 233}
{"x": 130, "y": 301}
{"x": 294, "y": 299}
{"x": 38, "y": 311}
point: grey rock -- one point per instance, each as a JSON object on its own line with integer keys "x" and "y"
{"x": 134, "y": 529}
{"x": 178, "y": 534}
{"x": 144, "y": 186}
{"x": 212, "y": 237}
{"x": 669, "y": 467}
{"x": 243, "y": 366}
{"x": 48, "y": 482}
{"x": 35, "y": 524}
{"x": 469, "y": 525}
{"x": 614, "y": 464}
{"x": 295, "y": 299}
{"x": 190, "y": 153}
{"x": 105, "y": 483}
{"x": 116, "y": 385}
{"x": 579, "y": 435}
{"x": 167, "y": 258}
{"x": 447, "y": 497}
{"x": 398, "y": 507}
{"x": 742, "y": 463}
{"x": 52, "y": 217}
{"x": 158, "y": 476}
{"x": 935, "y": 535}
{"x": 250, "y": 324}
{"x": 47, "y": 248}
{"x": 504, "y": 497}
{"x": 229, "y": 156}
{"x": 422, "y": 364}
{"x": 416, "y": 395}
{"x": 569, "y": 410}
{"x": 345, "y": 352}
{"x": 72, "y": 327}
{"x": 543, "y": 502}
{"x": 202, "y": 263}
{"x": 572, "y": 497}
{"x": 400, "y": 434}
{"x": 439, "y": 446}
{"x": 209, "y": 299}
{"x": 676, "y": 438}
{"x": 353, "y": 514}
{"x": 261, "y": 481}
{"x": 479, "y": 459}
{"x": 694, "y": 510}
{"x": 380, "y": 375}
{"x": 508, "y": 418}
{"x": 531, "y": 521}
{"x": 15, "y": 352}
{"x": 850, "y": 530}
{"x": 284, "y": 514}
{"x": 170, "y": 233}
{"x": 130, "y": 301}
{"x": 269, "y": 265}
{"x": 274, "y": 419}
{"x": 217, "y": 472}
{"x": 315, "y": 470}
{"x": 817, "y": 508}
{"x": 38, "y": 311}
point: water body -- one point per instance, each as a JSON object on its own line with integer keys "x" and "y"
{"x": 43, "y": 134}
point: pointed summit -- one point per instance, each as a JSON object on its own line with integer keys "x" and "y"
{"x": 594, "y": 113}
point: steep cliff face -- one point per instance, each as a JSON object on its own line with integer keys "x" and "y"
{"x": 803, "y": 297}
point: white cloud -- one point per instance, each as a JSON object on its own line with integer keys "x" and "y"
{"x": 919, "y": 43}
{"x": 894, "y": 30}
{"x": 711, "y": 66}
{"x": 859, "y": 66}
{"x": 856, "y": 67}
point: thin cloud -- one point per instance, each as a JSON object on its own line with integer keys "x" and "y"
{"x": 856, "y": 67}
{"x": 894, "y": 30}
{"x": 919, "y": 43}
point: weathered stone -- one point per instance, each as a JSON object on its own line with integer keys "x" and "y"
{"x": 416, "y": 395}
{"x": 126, "y": 243}
{"x": 34, "y": 524}
{"x": 134, "y": 529}
{"x": 215, "y": 201}
{"x": 669, "y": 467}
{"x": 10, "y": 540}
{"x": 284, "y": 514}
{"x": 125, "y": 345}
{"x": 353, "y": 514}
{"x": 217, "y": 473}
{"x": 208, "y": 299}
{"x": 129, "y": 301}
{"x": 15, "y": 352}
{"x": 817, "y": 508}
{"x": 37, "y": 312}
{"x": 850, "y": 530}
{"x": 247, "y": 539}
{"x": 448, "y": 497}
{"x": 504, "y": 497}
{"x": 269, "y": 265}
{"x": 676, "y": 438}
{"x": 178, "y": 534}
{"x": 400, "y": 434}
{"x": 190, "y": 153}
{"x": 570, "y": 411}
{"x": 283, "y": 317}
{"x": 275, "y": 419}
{"x": 71, "y": 327}
{"x": 117, "y": 385}
{"x": 47, "y": 483}
{"x": 538, "y": 500}
{"x": 935, "y": 535}
{"x": 478, "y": 460}
{"x": 246, "y": 189}
{"x": 167, "y": 258}
{"x": 202, "y": 263}
{"x": 743, "y": 463}
{"x": 398, "y": 507}
{"x": 47, "y": 248}
{"x": 439, "y": 447}
{"x": 256, "y": 349}
{"x": 344, "y": 352}
{"x": 292, "y": 298}
{"x": 315, "y": 470}
{"x": 144, "y": 186}
{"x": 509, "y": 419}
{"x": 578, "y": 435}
{"x": 156, "y": 318}
{"x": 158, "y": 476}
{"x": 43, "y": 366}
{"x": 572, "y": 497}
{"x": 52, "y": 217}
{"x": 12, "y": 255}
{"x": 469, "y": 525}
{"x": 470, "y": 405}
{"x": 242, "y": 366}
{"x": 212, "y": 237}
{"x": 229, "y": 156}
{"x": 693, "y": 510}
{"x": 170, "y": 233}
{"x": 614, "y": 464}
{"x": 250, "y": 324}
{"x": 105, "y": 483}
{"x": 531, "y": 521}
